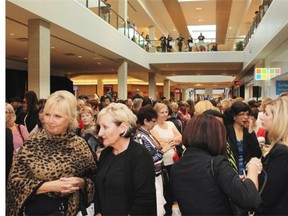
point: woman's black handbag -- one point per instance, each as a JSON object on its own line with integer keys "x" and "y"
{"x": 44, "y": 205}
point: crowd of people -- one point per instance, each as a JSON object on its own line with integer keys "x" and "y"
{"x": 142, "y": 157}
{"x": 167, "y": 44}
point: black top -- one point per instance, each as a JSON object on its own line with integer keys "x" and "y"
{"x": 9, "y": 151}
{"x": 250, "y": 144}
{"x": 275, "y": 193}
{"x": 198, "y": 192}
{"x": 20, "y": 115}
{"x": 31, "y": 119}
{"x": 125, "y": 183}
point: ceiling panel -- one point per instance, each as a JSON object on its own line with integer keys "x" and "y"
{"x": 72, "y": 55}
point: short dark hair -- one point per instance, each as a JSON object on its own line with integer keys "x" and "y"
{"x": 146, "y": 112}
{"x": 16, "y": 99}
{"x": 205, "y": 132}
{"x": 234, "y": 110}
{"x": 107, "y": 96}
{"x": 254, "y": 113}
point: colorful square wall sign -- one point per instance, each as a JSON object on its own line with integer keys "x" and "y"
{"x": 274, "y": 72}
{"x": 261, "y": 74}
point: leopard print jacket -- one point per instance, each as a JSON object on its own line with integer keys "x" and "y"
{"x": 45, "y": 157}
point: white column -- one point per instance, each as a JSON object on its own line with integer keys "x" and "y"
{"x": 100, "y": 88}
{"x": 185, "y": 94}
{"x": 123, "y": 5}
{"x": 39, "y": 57}
{"x": 122, "y": 80}
{"x": 166, "y": 89}
{"x": 152, "y": 38}
{"x": 152, "y": 85}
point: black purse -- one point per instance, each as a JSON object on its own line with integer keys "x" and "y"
{"x": 44, "y": 205}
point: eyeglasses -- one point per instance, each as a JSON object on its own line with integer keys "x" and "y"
{"x": 7, "y": 112}
{"x": 243, "y": 114}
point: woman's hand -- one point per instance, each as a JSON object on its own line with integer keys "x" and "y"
{"x": 166, "y": 146}
{"x": 250, "y": 125}
{"x": 71, "y": 184}
{"x": 63, "y": 185}
{"x": 254, "y": 168}
{"x": 254, "y": 164}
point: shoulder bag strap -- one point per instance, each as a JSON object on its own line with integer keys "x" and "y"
{"x": 19, "y": 129}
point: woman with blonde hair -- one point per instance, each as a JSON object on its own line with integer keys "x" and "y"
{"x": 52, "y": 173}
{"x": 260, "y": 132}
{"x": 225, "y": 104}
{"x": 125, "y": 180}
{"x": 202, "y": 106}
{"x": 19, "y": 132}
{"x": 275, "y": 163}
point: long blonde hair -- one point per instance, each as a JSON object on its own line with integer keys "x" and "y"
{"x": 278, "y": 132}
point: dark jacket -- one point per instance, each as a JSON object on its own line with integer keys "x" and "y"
{"x": 250, "y": 144}
{"x": 31, "y": 119}
{"x": 9, "y": 151}
{"x": 125, "y": 183}
{"x": 20, "y": 115}
{"x": 275, "y": 192}
{"x": 198, "y": 192}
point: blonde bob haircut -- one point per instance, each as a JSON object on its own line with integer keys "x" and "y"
{"x": 278, "y": 132}
{"x": 10, "y": 109}
{"x": 158, "y": 106}
{"x": 120, "y": 113}
{"x": 68, "y": 106}
{"x": 87, "y": 109}
{"x": 202, "y": 106}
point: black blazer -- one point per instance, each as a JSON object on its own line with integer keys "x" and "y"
{"x": 275, "y": 193}
{"x": 250, "y": 144}
{"x": 125, "y": 183}
{"x": 199, "y": 193}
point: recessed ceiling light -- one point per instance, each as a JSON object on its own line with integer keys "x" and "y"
{"x": 198, "y": 8}
{"x": 12, "y": 34}
{"x": 52, "y": 47}
{"x": 79, "y": 56}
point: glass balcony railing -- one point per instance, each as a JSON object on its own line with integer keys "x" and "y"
{"x": 257, "y": 19}
{"x": 130, "y": 30}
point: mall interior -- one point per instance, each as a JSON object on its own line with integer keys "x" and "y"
{"x": 84, "y": 47}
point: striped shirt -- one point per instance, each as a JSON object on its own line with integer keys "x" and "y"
{"x": 145, "y": 138}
